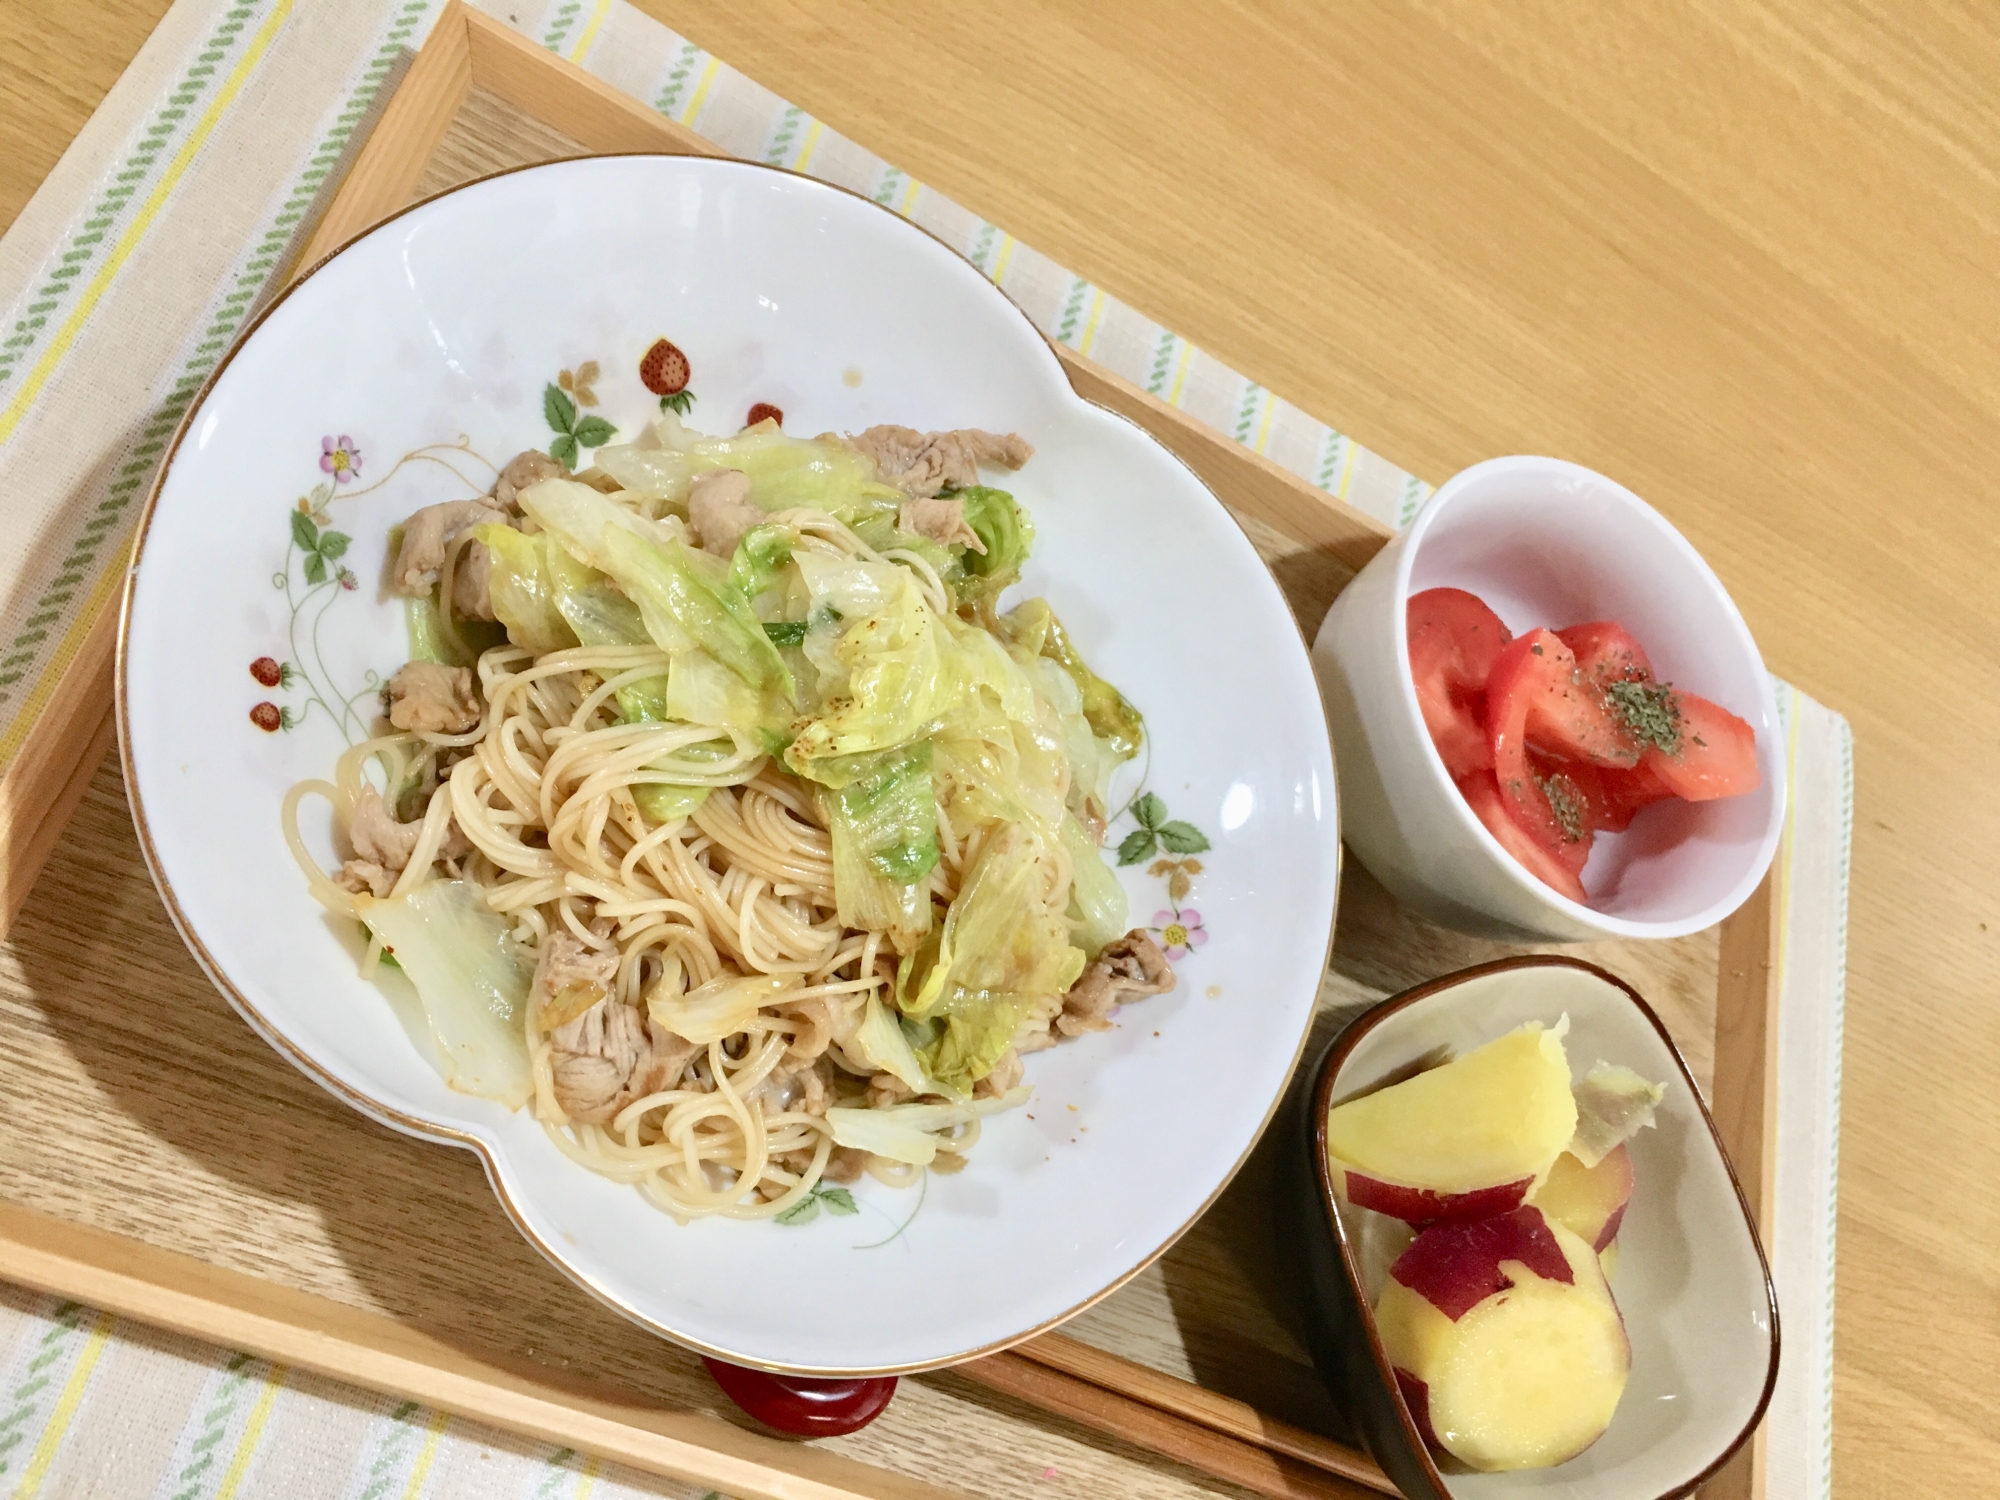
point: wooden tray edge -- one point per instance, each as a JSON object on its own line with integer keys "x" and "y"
{"x": 188, "y": 1295}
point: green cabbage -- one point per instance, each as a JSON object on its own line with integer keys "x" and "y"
{"x": 523, "y": 589}
{"x": 822, "y": 472}
{"x": 905, "y": 1132}
{"x": 718, "y": 1009}
{"x": 701, "y": 690}
{"x": 880, "y": 1044}
{"x": 882, "y": 535}
{"x": 1000, "y": 747}
{"x": 695, "y": 767}
{"x": 1002, "y": 948}
{"x": 428, "y": 641}
{"x": 974, "y": 1038}
{"x": 760, "y": 558}
{"x": 601, "y": 616}
{"x": 686, "y": 603}
{"x": 883, "y": 825}
{"x": 473, "y": 980}
{"x": 1098, "y": 911}
{"x": 580, "y": 518}
{"x": 1034, "y": 627}
{"x": 1000, "y": 523}
{"x": 668, "y": 804}
{"x": 880, "y": 654}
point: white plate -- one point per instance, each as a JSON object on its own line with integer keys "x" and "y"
{"x": 450, "y": 321}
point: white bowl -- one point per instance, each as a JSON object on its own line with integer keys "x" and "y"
{"x": 1691, "y": 1279}
{"x": 1546, "y": 543}
{"x": 451, "y": 319}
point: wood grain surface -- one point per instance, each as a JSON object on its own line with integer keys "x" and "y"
{"x": 1738, "y": 255}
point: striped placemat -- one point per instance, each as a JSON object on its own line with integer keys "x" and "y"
{"x": 168, "y": 223}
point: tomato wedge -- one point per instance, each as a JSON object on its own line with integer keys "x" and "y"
{"x": 802, "y": 1404}
{"x": 1713, "y": 753}
{"x": 1606, "y": 798}
{"x": 1482, "y": 794}
{"x": 1606, "y": 653}
{"x": 1584, "y": 791}
{"x": 1454, "y": 640}
{"x": 1535, "y": 685}
{"x": 1534, "y": 673}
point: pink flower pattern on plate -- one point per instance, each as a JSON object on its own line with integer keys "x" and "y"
{"x": 1180, "y": 931}
{"x": 340, "y": 458}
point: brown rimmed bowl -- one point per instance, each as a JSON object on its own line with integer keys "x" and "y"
{"x": 1691, "y": 1279}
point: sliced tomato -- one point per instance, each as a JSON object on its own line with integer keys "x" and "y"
{"x": 1609, "y": 796}
{"x": 1633, "y": 790}
{"x": 1535, "y": 682}
{"x": 1606, "y": 653}
{"x": 1533, "y": 671}
{"x": 1716, "y": 753}
{"x": 1481, "y": 791}
{"x": 1454, "y": 640}
{"x": 1587, "y": 791}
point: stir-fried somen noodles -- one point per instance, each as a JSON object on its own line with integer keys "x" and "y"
{"x": 723, "y": 819}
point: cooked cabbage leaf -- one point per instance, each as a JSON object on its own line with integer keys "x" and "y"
{"x": 879, "y": 1042}
{"x": 974, "y": 1037}
{"x": 473, "y": 980}
{"x": 689, "y": 772}
{"x": 429, "y": 640}
{"x": 906, "y": 1132}
{"x": 579, "y": 517}
{"x": 883, "y": 825}
{"x": 1098, "y": 910}
{"x": 880, "y": 654}
{"x": 718, "y": 1009}
{"x": 1034, "y": 627}
{"x": 1000, "y": 523}
{"x": 760, "y": 558}
{"x": 601, "y": 616}
{"x": 666, "y": 804}
{"x": 686, "y": 605}
{"x": 523, "y": 589}
{"x": 822, "y": 472}
{"x": 1003, "y": 946}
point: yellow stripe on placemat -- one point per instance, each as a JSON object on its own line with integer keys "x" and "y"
{"x": 253, "y": 1432}
{"x": 100, "y": 598}
{"x": 1090, "y": 324}
{"x": 65, "y": 1409}
{"x": 701, "y": 88}
{"x": 1006, "y": 254}
{"x": 421, "y": 1470}
{"x": 10, "y": 417}
{"x": 590, "y": 30}
{"x": 1264, "y": 427}
{"x": 813, "y": 133}
{"x": 1180, "y": 373}
{"x": 1346, "y": 479}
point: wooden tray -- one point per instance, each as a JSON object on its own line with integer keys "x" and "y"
{"x": 160, "y": 1162}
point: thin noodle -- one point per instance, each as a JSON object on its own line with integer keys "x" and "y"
{"x": 540, "y": 806}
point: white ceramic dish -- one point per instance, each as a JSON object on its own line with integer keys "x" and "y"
{"x": 1545, "y": 542}
{"x": 435, "y": 336}
{"x": 1691, "y": 1278}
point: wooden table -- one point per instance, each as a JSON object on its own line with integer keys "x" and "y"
{"x": 1740, "y": 256}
